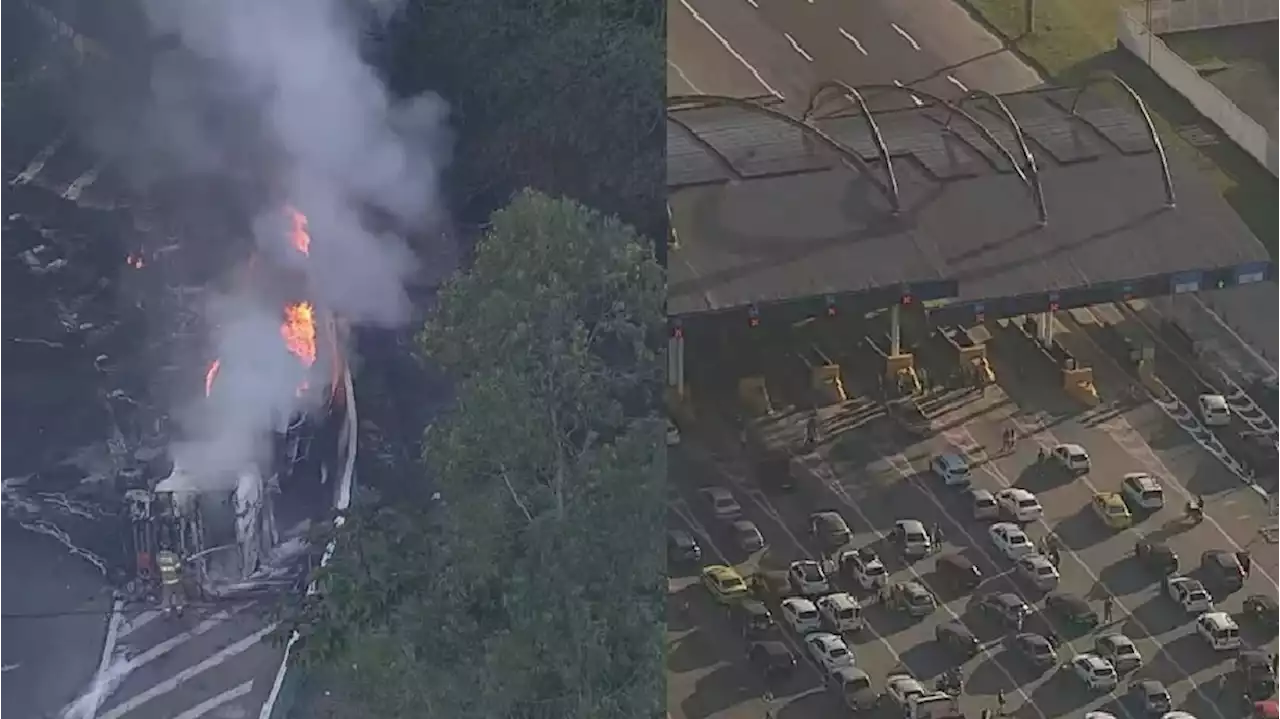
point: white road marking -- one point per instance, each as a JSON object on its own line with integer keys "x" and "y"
{"x": 796, "y": 46}
{"x": 754, "y": 4}
{"x": 910, "y": 40}
{"x": 214, "y": 702}
{"x": 918, "y": 102}
{"x": 849, "y": 36}
{"x": 178, "y": 640}
{"x": 139, "y": 622}
{"x": 37, "y": 163}
{"x": 164, "y": 687}
{"x": 685, "y": 78}
{"x": 952, "y": 79}
{"x": 899, "y": 464}
{"x": 98, "y": 690}
{"x": 729, "y": 48}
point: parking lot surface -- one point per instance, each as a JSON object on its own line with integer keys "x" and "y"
{"x": 875, "y": 474}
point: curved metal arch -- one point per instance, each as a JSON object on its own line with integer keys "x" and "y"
{"x": 952, "y": 109}
{"x": 872, "y": 126}
{"x": 721, "y": 159}
{"x": 1037, "y": 188}
{"x": 851, "y": 159}
{"x": 1170, "y": 198}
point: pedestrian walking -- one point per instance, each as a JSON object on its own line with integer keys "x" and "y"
{"x": 811, "y": 430}
{"x": 936, "y": 534}
{"x": 1000, "y": 701}
{"x": 1246, "y": 562}
{"x": 1108, "y": 607}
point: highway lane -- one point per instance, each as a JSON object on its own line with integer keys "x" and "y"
{"x": 792, "y": 44}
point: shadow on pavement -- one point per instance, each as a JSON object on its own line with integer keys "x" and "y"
{"x": 990, "y": 676}
{"x": 816, "y": 703}
{"x": 1080, "y": 530}
{"x": 1157, "y": 616}
{"x": 725, "y": 687}
{"x": 1185, "y": 656}
{"x": 680, "y": 615}
{"x": 1039, "y": 477}
{"x": 691, "y": 652}
{"x": 1061, "y": 695}
{"x": 926, "y": 660}
{"x": 1126, "y": 576}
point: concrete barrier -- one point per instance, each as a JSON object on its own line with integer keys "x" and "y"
{"x": 273, "y": 708}
{"x": 1165, "y": 16}
{"x": 1208, "y": 100}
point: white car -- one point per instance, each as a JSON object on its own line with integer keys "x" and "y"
{"x": 1214, "y": 410}
{"x": 1096, "y": 672}
{"x": 1142, "y": 490}
{"x": 673, "y": 434}
{"x": 1189, "y": 594}
{"x": 911, "y": 538}
{"x": 1019, "y": 504}
{"x": 1038, "y": 571}
{"x": 828, "y": 650}
{"x": 808, "y": 578}
{"x": 840, "y": 612}
{"x": 1219, "y": 630}
{"x": 1120, "y": 651}
{"x": 1072, "y": 457}
{"x": 801, "y": 615}
{"x": 984, "y": 504}
{"x": 952, "y": 468}
{"x": 901, "y": 687}
{"x": 722, "y": 503}
{"x": 1010, "y": 540}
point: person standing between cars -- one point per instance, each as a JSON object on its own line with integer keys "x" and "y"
{"x": 1001, "y": 701}
{"x": 1108, "y": 608}
{"x": 811, "y": 430}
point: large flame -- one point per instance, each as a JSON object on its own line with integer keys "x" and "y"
{"x": 299, "y": 331}
{"x": 298, "y": 235}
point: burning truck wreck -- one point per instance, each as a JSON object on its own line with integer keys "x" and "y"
{"x": 261, "y": 454}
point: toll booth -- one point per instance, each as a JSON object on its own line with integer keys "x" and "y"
{"x": 969, "y": 355}
{"x": 1077, "y": 381}
{"x": 824, "y": 377}
{"x": 900, "y": 376}
{"x": 754, "y": 395}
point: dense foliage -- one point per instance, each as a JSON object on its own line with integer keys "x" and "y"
{"x": 537, "y": 590}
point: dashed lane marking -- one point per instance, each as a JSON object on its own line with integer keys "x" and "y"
{"x": 905, "y": 36}
{"x": 796, "y": 46}
{"x": 849, "y": 36}
{"x": 729, "y": 48}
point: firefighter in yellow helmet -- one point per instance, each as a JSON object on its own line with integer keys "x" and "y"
{"x": 171, "y": 593}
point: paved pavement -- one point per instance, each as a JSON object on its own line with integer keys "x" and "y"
{"x": 874, "y": 478}
{"x": 786, "y": 46}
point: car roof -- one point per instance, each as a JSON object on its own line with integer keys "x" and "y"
{"x": 1152, "y": 686}
{"x": 1221, "y": 619}
{"x": 1035, "y": 559}
{"x": 1093, "y": 660}
{"x": 1221, "y": 555}
{"x": 980, "y": 493}
{"x": 1016, "y": 492}
{"x": 744, "y": 524}
{"x": 911, "y": 524}
{"x": 1142, "y": 479}
{"x": 850, "y": 673}
{"x": 839, "y": 598}
{"x": 912, "y": 585}
{"x": 957, "y": 627}
{"x": 1007, "y": 526}
{"x": 1214, "y": 400}
{"x": 1071, "y": 447}
{"x": 953, "y": 458}
{"x": 1110, "y": 498}
{"x": 799, "y": 603}
{"x": 1115, "y": 638}
{"x": 826, "y": 514}
{"x": 1032, "y": 638}
{"x": 753, "y": 606}
{"x": 719, "y": 571}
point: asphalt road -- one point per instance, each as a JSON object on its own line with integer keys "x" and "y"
{"x": 874, "y": 478}
{"x": 754, "y": 47}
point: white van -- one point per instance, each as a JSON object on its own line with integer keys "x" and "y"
{"x": 1214, "y": 411}
{"x": 840, "y": 612}
{"x": 1219, "y": 630}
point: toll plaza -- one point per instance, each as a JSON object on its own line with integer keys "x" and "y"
{"x": 884, "y": 236}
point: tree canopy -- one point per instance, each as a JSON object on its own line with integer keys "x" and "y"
{"x": 536, "y": 591}
{"x": 564, "y": 96}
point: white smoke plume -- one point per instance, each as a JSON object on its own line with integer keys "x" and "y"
{"x": 336, "y": 146}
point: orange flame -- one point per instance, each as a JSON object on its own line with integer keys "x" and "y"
{"x": 298, "y": 235}
{"x": 136, "y": 261}
{"x": 299, "y": 331}
{"x": 209, "y": 376}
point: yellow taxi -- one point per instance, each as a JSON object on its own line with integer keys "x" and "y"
{"x": 1111, "y": 509}
{"x": 724, "y": 583}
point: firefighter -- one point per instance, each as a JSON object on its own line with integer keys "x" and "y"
{"x": 170, "y": 567}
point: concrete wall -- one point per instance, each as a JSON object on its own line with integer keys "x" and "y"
{"x": 1165, "y": 16}
{"x": 1135, "y": 37}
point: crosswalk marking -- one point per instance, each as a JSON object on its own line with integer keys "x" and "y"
{"x": 178, "y": 640}
{"x": 132, "y": 625}
{"x": 212, "y": 703}
{"x": 164, "y": 687}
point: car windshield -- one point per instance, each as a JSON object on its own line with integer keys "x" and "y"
{"x": 1101, "y": 671}
{"x": 811, "y": 572}
{"x": 837, "y": 651}
{"x": 1018, "y": 538}
{"x": 1116, "y": 509}
{"x": 730, "y": 584}
{"x": 807, "y": 614}
{"x": 1044, "y": 570}
{"x": 857, "y": 684}
{"x": 1152, "y": 495}
{"x": 874, "y": 569}
{"x": 984, "y": 502}
{"x": 1028, "y": 503}
{"x": 914, "y": 537}
{"x": 725, "y": 501}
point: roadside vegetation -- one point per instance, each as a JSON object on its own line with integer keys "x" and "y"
{"x": 1075, "y": 39}
{"x": 534, "y": 587}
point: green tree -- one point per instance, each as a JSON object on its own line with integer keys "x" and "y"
{"x": 564, "y": 96}
{"x": 537, "y": 591}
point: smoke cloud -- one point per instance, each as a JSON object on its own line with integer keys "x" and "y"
{"x": 285, "y": 79}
